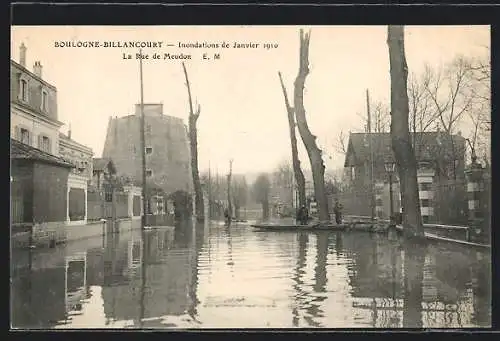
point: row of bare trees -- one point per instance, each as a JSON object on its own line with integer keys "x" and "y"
{"x": 442, "y": 99}
{"x": 438, "y": 98}
{"x": 220, "y": 189}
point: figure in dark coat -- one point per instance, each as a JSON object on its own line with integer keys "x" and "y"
{"x": 337, "y": 210}
{"x": 227, "y": 216}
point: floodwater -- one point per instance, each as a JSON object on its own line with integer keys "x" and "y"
{"x": 219, "y": 277}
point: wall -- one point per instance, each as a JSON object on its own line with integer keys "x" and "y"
{"x": 170, "y": 157}
{"x": 35, "y": 86}
{"x": 20, "y": 118}
{"x": 91, "y": 229}
{"x": 80, "y": 156}
{"x": 50, "y": 185}
{"x": 22, "y": 191}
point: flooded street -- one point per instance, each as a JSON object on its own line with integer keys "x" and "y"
{"x": 219, "y": 277}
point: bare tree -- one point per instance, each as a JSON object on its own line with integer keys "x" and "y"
{"x": 451, "y": 98}
{"x": 193, "y": 140}
{"x": 229, "y": 204}
{"x": 341, "y": 145}
{"x": 480, "y": 114}
{"x": 381, "y": 118}
{"x": 400, "y": 134}
{"x": 261, "y": 190}
{"x": 239, "y": 194}
{"x": 309, "y": 140}
{"x": 282, "y": 184}
{"x": 422, "y": 116}
{"x": 297, "y": 170}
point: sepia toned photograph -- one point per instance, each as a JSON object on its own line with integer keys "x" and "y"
{"x": 236, "y": 177}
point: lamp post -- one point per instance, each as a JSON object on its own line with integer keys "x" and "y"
{"x": 389, "y": 168}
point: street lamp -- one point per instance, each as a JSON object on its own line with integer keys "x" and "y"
{"x": 390, "y": 168}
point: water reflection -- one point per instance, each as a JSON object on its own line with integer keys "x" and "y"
{"x": 205, "y": 276}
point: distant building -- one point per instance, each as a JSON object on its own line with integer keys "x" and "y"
{"x": 102, "y": 169}
{"x": 441, "y": 162}
{"x": 33, "y": 103}
{"x": 166, "y": 143}
{"x": 77, "y": 154}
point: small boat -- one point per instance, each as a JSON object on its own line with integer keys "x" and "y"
{"x": 294, "y": 227}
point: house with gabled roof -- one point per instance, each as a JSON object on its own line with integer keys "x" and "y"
{"x": 441, "y": 160}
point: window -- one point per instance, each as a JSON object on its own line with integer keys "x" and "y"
{"x": 149, "y": 172}
{"x": 23, "y": 90}
{"x": 25, "y": 136}
{"x": 44, "y": 143}
{"x": 149, "y": 150}
{"x": 148, "y": 129}
{"x": 45, "y": 99}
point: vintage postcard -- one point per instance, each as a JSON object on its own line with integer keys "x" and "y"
{"x": 191, "y": 177}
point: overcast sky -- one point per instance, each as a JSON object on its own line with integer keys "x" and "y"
{"x": 243, "y": 114}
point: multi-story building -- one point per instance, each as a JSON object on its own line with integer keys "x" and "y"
{"x": 167, "y": 149}
{"x": 33, "y": 113}
{"x": 77, "y": 154}
{"x": 35, "y": 124}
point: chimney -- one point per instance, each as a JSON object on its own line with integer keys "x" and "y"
{"x": 22, "y": 55}
{"x": 69, "y": 131}
{"x": 37, "y": 69}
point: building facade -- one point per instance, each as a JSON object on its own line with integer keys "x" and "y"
{"x": 33, "y": 113}
{"x": 167, "y": 149}
{"x": 440, "y": 174}
{"x": 77, "y": 154}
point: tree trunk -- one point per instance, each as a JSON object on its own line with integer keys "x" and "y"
{"x": 297, "y": 170}
{"x": 314, "y": 153}
{"x": 237, "y": 212}
{"x": 193, "y": 140}
{"x": 413, "y": 286}
{"x": 265, "y": 210}
{"x": 229, "y": 204}
{"x": 401, "y": 142}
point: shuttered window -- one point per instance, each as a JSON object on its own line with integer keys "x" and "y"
{"x": 44, "y": 143}
{"x": 23, "y": 135}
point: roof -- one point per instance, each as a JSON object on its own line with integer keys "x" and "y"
{"x": 19, "y": 150}
{"x": 100, "y": 164}
{"x": 65, "y": 137}
{"x": 32, "y": 74}
{"x": 426, "y": 145}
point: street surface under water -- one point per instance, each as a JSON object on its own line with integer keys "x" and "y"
{"x": 219, "y": 277}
